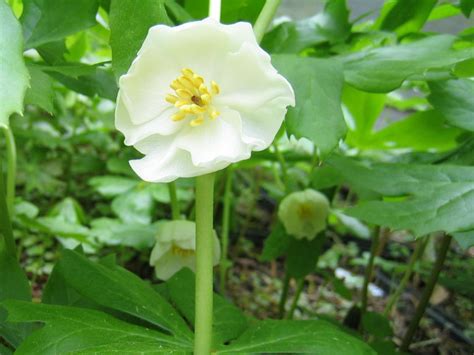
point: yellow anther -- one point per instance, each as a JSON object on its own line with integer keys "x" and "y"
{"x": 176, "y": 250}
{"x": 187, "y": 72}
{"x": 197, "y": 121}
{"x": 181, "y": 103}
{"x": 215, "y": 114}
{"x": 186, "y": 83}
{"x": 215, "y": 88}
{"x": 171, "y": 99}
{"x": 193, "y": 98}
{"x": 206, "y": 99}
{"x": 197, "y": 80}
{"x": 185, "y": 94}
{"x": 178, "y": 116}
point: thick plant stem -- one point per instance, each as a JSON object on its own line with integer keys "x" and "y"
{"x": 296, "y": 298}
{"x": 427, "y": 292}
{"x": 175, "y": 210}
{"x": 265, "y": 18}
{"x": 215, "y": 9}
{"x": 11, "y": 167}
{"x": 369, "y": 270}
{"x": 406, "y": 277}
{"x": 225, "y": 228}
{"x": 284, "y": 296}
{"x": 204, "y": 263}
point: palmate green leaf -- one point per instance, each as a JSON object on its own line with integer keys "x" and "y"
{"x": 135, "y": 206}
{"x": 363, "y": 109}
{"x": 71, "y": 329}
{"x": 376, "y": 324}
{"x": 302, "y": 256}
{"x": 51, "y": 20}
{"x": 420, "y": 131}
{"x": 116, "y": 288}
{"x": 276, "y": 244}
{"x": 421, "y": 198}
{"x": 406, "y": 16}
{"x": 466, "y": 7}
{"x": 231, "y": 11}
{"x": 465, "y": 239}
{"x": 331, "y": 25}
{"x": 443, "y": 11}
{"x": 111, "y": 186}
{"x": 13, "y": 281}
{"x": 228, "y": 323}
{"x": 304, "y": 336}
{"x": 129, "y": 24}
{"x": 13, "y": 73}
{"x": 177, "y": 12}
{"x": 13, "y": 285}
{"x": 110, "y": 231}
{"x": 101, "y": 83}
{"x": 384, "y": 69}
{"x": 40, "y": 92}
{"x": 463, "y": 155}
{"x": 241, "y": 10}
{"x": 455, "y": 100}
{"x": 318, "y": 86}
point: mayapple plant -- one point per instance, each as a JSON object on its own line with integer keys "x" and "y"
{"x": 197, "y": 98}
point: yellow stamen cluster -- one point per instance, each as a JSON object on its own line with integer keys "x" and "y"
{"x": 193, "y": 98}
{"x": 176, "y": 250}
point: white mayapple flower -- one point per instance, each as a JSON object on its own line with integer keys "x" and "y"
{"x": 304, "y": 213}
{"x": 199, "y": 97}
{"x": 175, "y": 248}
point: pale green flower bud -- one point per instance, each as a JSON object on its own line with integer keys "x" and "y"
{"x": 175, "y": 248}
{"x": 304, "y": 213}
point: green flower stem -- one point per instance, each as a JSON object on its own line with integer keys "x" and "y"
{"x": 215, "y": 9}
{"x": 369, "y": 269}
{"x": 427, "y": 292}
{"x": 265, "y": 18}
{"x": 283, "y": 167}
{"x": 296, "y": 298}
{"x": 225, "y": 228}
{"x": 5, "y": 224}
{"x": 11, "y": 168}
{"x": 406, "y": 277}
{"x": 175, "y": 210}
{"x": 204, "y": 263}
{"x": 284, "y": 295}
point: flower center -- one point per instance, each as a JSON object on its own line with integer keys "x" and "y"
{"x": 176, "y": 250}
{"x": 193, "y": 98}
{"x": 305, "y": 211}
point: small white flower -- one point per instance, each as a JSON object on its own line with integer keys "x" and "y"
{"x": 199, "y": 97}
{"x": 304, "y": 213}
{"x": 175, "y": 248}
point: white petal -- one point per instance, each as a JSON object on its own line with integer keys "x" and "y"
{"x": 170, "y": 264}
{"x": 216, "y": 141}
{"x": 162, "y": 125}
{"x": 175, "y": 163}
{"x": 158, "y": 251}
{"x": 256, "y": 90}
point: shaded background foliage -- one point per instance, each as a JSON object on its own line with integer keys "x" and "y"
{"x": 384, "y": 92}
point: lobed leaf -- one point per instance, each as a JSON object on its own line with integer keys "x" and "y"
{"x": 13, "y": 73}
